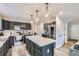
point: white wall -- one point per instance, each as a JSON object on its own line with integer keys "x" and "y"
{"x": 75, "y": 31}
{"x": 66, "y": 31}
{"x": 0, "y": 23}
{"x": 59, "y": 32}
{"x": 16, "y": 20}
{"x": 38, "y": 28}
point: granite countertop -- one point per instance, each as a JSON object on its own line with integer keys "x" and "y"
{"x": 3, "y": 40}
{"x": 41, "y": 41}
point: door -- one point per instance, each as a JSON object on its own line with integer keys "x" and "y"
{"x": 59, "y": 32}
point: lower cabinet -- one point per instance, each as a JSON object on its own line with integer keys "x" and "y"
{"x": 11, "y": 41}
{"x": 36, "y": 50}
{"x": 6, "y": 46}
{"x": 2, "y": 51}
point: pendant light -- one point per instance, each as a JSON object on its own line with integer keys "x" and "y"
{"x": 46, "y": 15}
{"x": 31, "y": 18}
{"x": 37, "y": 15}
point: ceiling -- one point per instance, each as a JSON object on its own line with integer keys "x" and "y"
{"x": 24, "y": 10}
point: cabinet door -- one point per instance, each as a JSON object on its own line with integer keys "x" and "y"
{"x": 29, "y": 46}
{"x": 37, "y": 53}
{"x": 5, "y": 25}
{"x": 48, "y": 50}
{"x": 37, "y": 50}
{"x": 28, "y": 26}
{"x": 11, "y": 41}
{"x": 26, "y": 43}
{"x": 32, "y": 48}
{"x": 5, "y": 49}
{"x": 1, "y": 51}
{"x": 7, "y": 45}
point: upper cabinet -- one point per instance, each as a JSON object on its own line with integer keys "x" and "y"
{"x": 5, "y": 25}
{"x": 9, "y": 25}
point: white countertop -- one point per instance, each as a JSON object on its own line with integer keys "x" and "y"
{"x": 3, "y": 40}
{"x": 41, "y": 41}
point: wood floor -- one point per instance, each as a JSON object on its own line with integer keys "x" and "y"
{"x": 20, "y": 50}
{"x": 66, "y": 46}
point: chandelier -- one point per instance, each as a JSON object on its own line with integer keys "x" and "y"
{"x": 37, "y": 15}
{"x": 31, "y": 18}
{"x": 46, "y": 15}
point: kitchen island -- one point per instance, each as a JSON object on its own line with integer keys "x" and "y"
{"x": 40, "y": 46}
{"x": 6, "y": 42}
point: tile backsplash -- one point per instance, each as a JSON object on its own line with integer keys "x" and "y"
{"x": 14, "y": 32}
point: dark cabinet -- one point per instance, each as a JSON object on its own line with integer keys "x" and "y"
{"x": 11, "y": 41}
{"x": 29, "y": 46}
{"x": 5, "y": 25}
{"x": 37, "y": 53}
{"x": 28, "y": 26}
{"x": 9, "y": 25}
{"x": 36, "y": 50}
{"x": 48, "y": 50}
{"x": 2, "y": 50}
{"x": 32, "y": 48}
{"x": 6, "y": 46}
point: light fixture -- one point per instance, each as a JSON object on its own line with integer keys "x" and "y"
{"x": 31, "y": 18}
{"x": 46, "y": 15}
{"x": 36, "y": 19}
{"x": 60, "y": 13}
{"x": 37, "y": 15}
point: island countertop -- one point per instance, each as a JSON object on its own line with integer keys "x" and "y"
{"x": 3, "y": 40}
{"x": 40, "y": 41}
